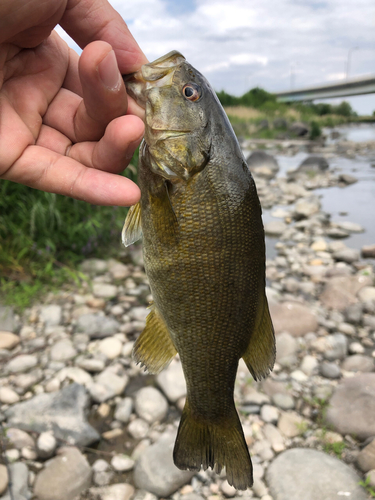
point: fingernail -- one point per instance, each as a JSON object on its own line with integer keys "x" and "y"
{"x": 108, "y": 71}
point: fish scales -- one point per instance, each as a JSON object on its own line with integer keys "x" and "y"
{"x": 204, "y": 254}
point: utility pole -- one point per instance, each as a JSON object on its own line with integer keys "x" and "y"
{"x": 349, "y": 60}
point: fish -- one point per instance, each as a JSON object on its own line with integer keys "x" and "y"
{"x": 199, "y": 217}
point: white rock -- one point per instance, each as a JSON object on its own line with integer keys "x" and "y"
{"x": 172, "y": 381}
{"x": 309, "y": 365}
{"x": 75, "y": 374}
{"x": 51, "y": 315}
{"x": 63, "y": 351}
{"x": 122, "y": 463}
{"x": 121, "y": 491}
{"x": 104, "y": 290}
{"x": 138, "y": 428}
{"x": 123, "y": 410}
{"x": 8, "y": 396}
{"x": 12, "y": 455}
{"x": 269, "y": 414}
{"x": 22, "y": 363}
{"x": 107, "y": 385}
{"x": 151, "y": 405}
{"x": 46, "y": 444}
{"x": 111, "y": 347}
{"x": 356, "y": 348}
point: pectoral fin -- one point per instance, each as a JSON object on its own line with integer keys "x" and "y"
{"x": 154, "y": 348}
{"x": 261, "y": 351}
{"x": 132, "y": 230}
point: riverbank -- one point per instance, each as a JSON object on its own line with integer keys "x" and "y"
{"x": 82, "y": 421}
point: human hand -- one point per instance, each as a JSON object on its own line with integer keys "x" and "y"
{"x": 63, "y": 127}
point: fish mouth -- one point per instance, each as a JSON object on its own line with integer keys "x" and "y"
{"x": 155, "y": 74}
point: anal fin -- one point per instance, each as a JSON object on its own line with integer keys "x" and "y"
{"x": 261, "y": 352}
{"x": 154, "y": 348}
{"x": 132, "y": 230}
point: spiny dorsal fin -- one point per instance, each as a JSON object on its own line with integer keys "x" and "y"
{"x": 132, "y": 230}
{"x": 261, "y": 351}
{"x": 154, "y": 348}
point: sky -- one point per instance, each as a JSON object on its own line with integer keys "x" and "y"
{"x": 273, "y": 44}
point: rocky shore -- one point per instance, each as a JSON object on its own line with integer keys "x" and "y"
{"x": 81, "y": 421}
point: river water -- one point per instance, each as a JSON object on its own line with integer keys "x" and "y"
{"x": 354, "y": 203}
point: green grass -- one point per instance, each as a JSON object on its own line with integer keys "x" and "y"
{"x": 336, "y": 448}
{"x": 44, "y": 236}
{"x": 366, "y": 485}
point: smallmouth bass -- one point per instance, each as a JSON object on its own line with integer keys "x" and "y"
{"x": 204, "y": 254}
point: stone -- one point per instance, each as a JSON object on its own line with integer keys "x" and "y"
{"x": 63, "y": 412}
{"x": 46, "y": 444}
{"x": 306, "y": 207}
{"x": 19, "y": 439}
{"x": 120, "y": 491}
{"x": 75, "y": 374}
{"x": 8, "y": 321}
{"x": 118, "y": 270}
{"x": 293, "y": 317}
{"x": 150, "y": 405}
{"x": 354, "y": 313}
{"x": 123, "y": 410}
{"x": 228, "y": 490}
{"x": 104, "y": 290}
{"x": 336, "y": 346}
{"x": 3, "y": 478}
{"x": 351, "y": 227}
{"x": 111, "y": 347}
{"x": 291, "y": 424}
{"x": 172, "y": 382}
{"x": 63, "y": 350}
{"x": 155, "y": 471}
{"x": 65, "y": 477}
{"x": 286, "y": 349}
{"x": 370, "y": 479}
{"x": 258, "y": 160}
{"x": 94, "y": 266}
{"x": 313, "y": 164}
{"x": 138, "y": 428}
{"x": 366, "y": 457}
{"x": 330, "y": 370}
{"x": 275, "y": 228}
{"x": 358, "y": 363}
{"x": 51, "y": 315}
{"x": 299, "y": 129}
{"x": 351, "y": 409}
{"x": 348, "y": 255}
{"x": 368, "y": 252}
{"x": 367, "y": 294}
{"x": 356, "y": 348}
{"x": 8, "y": 340}
{"x": 309, "y": 365}
{"x": 139, "y": 313}
{"x": 91, "y": 364}
{"x": 273, "y": 435}
{"x": 97, "y": 325}
{"x": 310, "y": 475}
{"x": 20, "y": 476}
{"x": 8, "y": 396}
{"x": 21, "y": 363}
{"x": 340, "y": 291}
{"x": 107, "y": 385}
{"x": 283, "y": 401}
{"x": 347, "y": 179}
{"x": 269, "y": 414}
{"x": 122, "y": 463}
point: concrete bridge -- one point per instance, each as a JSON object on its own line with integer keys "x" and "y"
{"x": 354, "y": 86}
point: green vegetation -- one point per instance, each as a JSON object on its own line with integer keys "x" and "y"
{"x": 336, "y": 448}
{"x": 366, "y": 485}
{"x": 43, "y": 236}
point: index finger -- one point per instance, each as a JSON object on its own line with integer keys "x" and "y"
{"x": 89, "y": 20}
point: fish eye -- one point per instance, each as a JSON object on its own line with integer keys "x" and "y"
{"x": 191, "y": 91}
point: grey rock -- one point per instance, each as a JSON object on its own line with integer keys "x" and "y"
{"x": 21, "y": 363}
{"x": 351, "y": 227}
{"x": 286, "y": 349}
{"x": 256, "y": 398}
{"x": 172, "y": 381}
{"x": 65, "y": 477}
{"x": 273, "y": 435}
{"x": 283, "y": 401}
{"x": 299, "y": 129}
{"x": 139, "y": 313}
{"x": 123, "y": 410}
{"x": 94, "y": 266}
{"x": 120, "y": 491}
{"x": 138, "y": 428}
{"x": 359, "y": 363}
{"x": 19, "y": 439}
{"x": 63, "y": 412}
{"x": 293, "y": 317}
{"x": 155, "y": 471}
{"x": 337, "y": 346}
{"x": 8, "y": 321}
{"x": 122, "y": 463}
{"x": 20, "y": 476}
{"x": 91, "y": 364}
{"x": 51, "y": 315}
{"x": 352, "y": 406}
{"x": 337, "y": 233}
{"x": 291, "y": 424}
{"x": 367, "y": 294}
{"x": 26, "y": 380}
{"x": 104, "y": 290}
{"x": 258, "y": 160}
{"x": 313, "y": 164}
{"x": 275, "y": 228}
{"x": 288, "y": 479}
{"x": 269, "y": 414}
{"x": 347, "y": 179}
{"x": 63, "y": 351}
{"x": 280, "y": 123}
{"x": 151, "y": 405}
{"x": 330, "y": 370}
{"x": 97, "y": 325}
{"x": 309, "y": 365}
{"x": 348, "y": 255}
{"x": 354, "y": 313}
{"x": 75, "y": 374}
{"x": 366, "y": 457}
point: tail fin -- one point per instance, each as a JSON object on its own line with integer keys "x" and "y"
{"x": 204, "y": 444}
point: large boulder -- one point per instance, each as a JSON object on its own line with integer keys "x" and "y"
{"x": 293, "y": 317}
{"x": 262, "y": 164}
